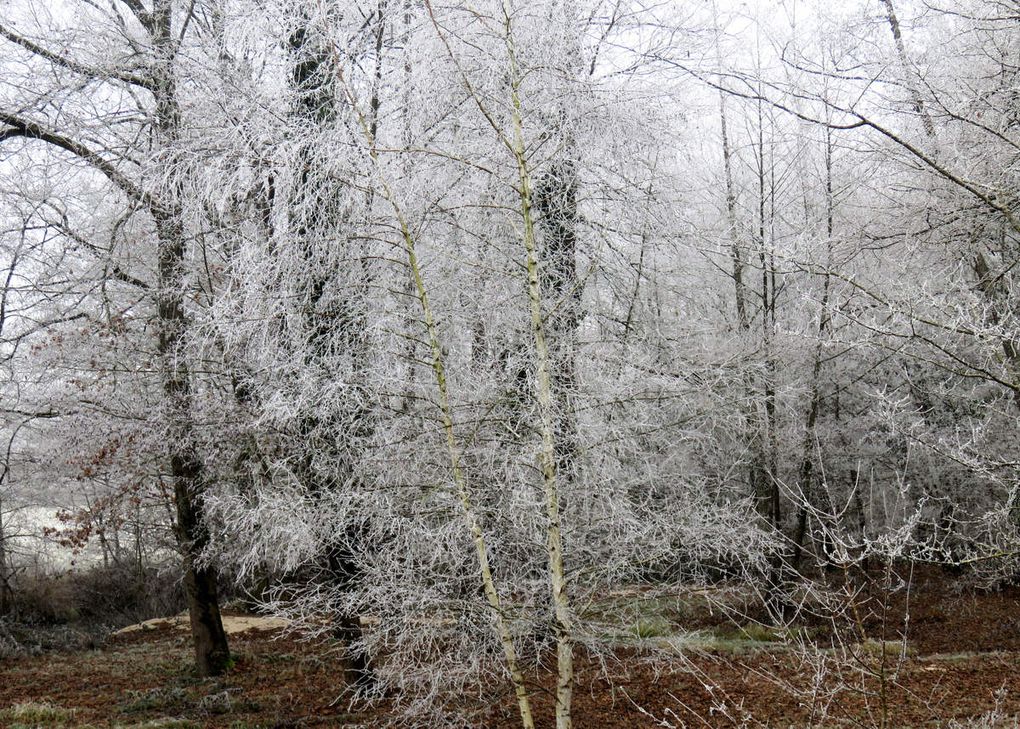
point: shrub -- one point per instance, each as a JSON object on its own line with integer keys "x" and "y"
{"x": 107, "y": 596}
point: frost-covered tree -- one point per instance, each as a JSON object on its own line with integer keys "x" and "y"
{"x": 442, "y": 322}
{"x": 524, "y": 465}
{"x": 112, "y": 102}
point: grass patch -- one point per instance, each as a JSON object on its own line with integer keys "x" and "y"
{"x": 179, "y": 700}
{"x": 888, "y": 648}
{"x": 634, "y": 615}
{"x": 224, "y": 702}
{"x": 164, "y": 698}
{"x": 273, "y": 658}
{"x": 736, "y": 639}
{"x": 759, "y": 633}
{"x": 648, "y": 628}
{"x": 36, "y": 715}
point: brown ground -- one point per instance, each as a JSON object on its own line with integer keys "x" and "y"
{"x": 965, "y": 663}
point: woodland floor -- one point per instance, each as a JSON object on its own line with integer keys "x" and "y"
{"x": 962, "y": 669}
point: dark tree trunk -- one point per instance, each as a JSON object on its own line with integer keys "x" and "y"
{"x": 806, "y": 475}
{"x": 5, "y": 587}
{"x": 334, "y": 322}
{"x": 556, "y": 201}
{"x": 211, "y": 651}
{"x": 212, "y": 654}
{"x": 343, "y": 569}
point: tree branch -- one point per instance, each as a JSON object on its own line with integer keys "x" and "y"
{"x": 19, "y": 127}
{"x": 69, "y": 63}
{"x": 142, "y": 15}
{"x": 127, "y": 278}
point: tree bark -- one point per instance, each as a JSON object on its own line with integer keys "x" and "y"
{"x": 212, "y": 654}
{"x": 901, "y": 52}
{"x": 548, "y": 459}
{"x": 806, "y": 474}
{"x": 766, "y": 482}
{"x": 556, "y": 201}
{"x": 5, "y": 587}
{"x": 315, "y": 217}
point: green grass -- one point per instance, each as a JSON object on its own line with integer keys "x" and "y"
{"x": 44, "y": 715}
{"x": 628, "y": 616}
{"x": 649, "y": 628}
{"x": 888, "y": 648}
{"x": 759, "y": 633}
{"x": 752, "y": 637}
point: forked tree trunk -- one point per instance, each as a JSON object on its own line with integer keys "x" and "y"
{"x": 453, "y": 447}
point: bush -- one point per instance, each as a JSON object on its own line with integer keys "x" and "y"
{"x": 107, "y": 596}
{"x": 41, "y": 599}
{"x": 126, "y": 595}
